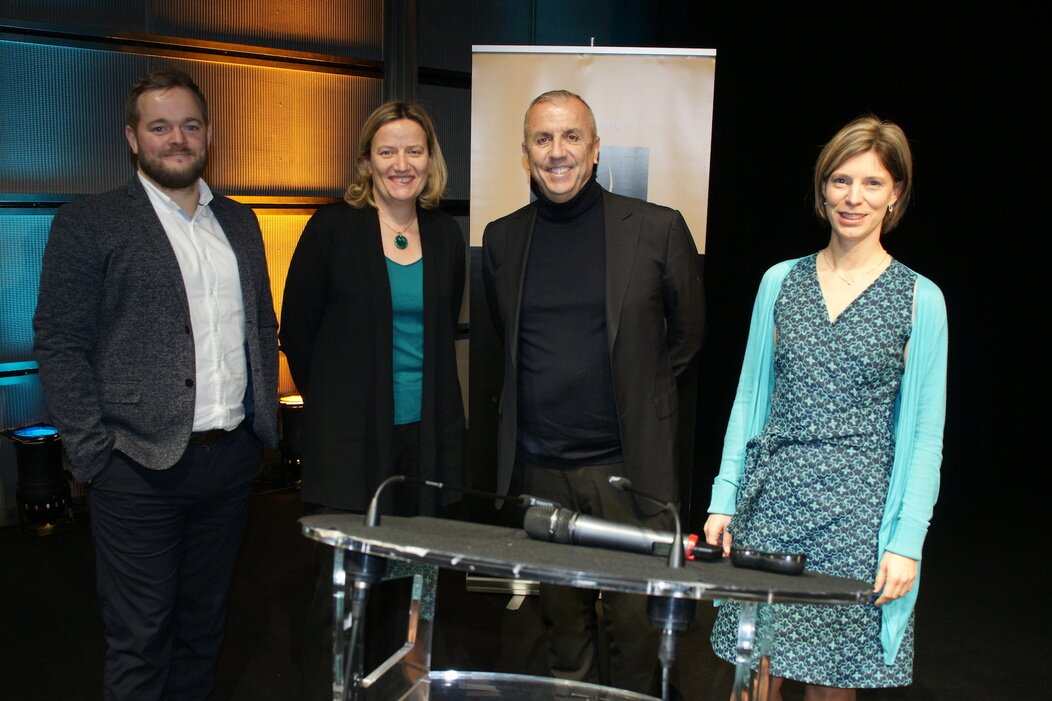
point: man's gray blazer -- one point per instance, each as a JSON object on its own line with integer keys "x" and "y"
{"x": 113, "y": 337}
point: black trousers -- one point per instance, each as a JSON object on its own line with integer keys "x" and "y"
{"x": 571, "y": 619}
{"x": 165, "y": 546}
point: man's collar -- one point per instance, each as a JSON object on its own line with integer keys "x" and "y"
{"x": 204, "y": 193}
{"x": 590, "y": 196}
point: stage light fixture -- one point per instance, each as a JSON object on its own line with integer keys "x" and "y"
{"x": 291, "y": 445}
{"x": 43, "y": 493}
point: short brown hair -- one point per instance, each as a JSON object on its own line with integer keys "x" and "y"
{"x": 161, "y": 80}
{"x": 868, "y": 133}
{"x": 360, "y": 192}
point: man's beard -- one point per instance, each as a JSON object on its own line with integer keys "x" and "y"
{"x": 164, "y": 176}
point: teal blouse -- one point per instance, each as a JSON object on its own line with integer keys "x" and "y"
{"x": 407, "y": 338}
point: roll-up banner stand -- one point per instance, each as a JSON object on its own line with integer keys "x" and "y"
{"x": 653, "y": 111}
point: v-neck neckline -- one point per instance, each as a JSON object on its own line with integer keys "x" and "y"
{"x": 831, "y": 322}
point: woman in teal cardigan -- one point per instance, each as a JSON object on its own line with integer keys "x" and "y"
{"x": 834, "y": 442}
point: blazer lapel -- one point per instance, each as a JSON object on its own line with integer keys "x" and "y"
{"x": 376, "y": 264}
{"x": 622, "y": 235}
{"x": 242, "y": 243}
{"x": 154, "y": 239}
{"x": 520, "y": 234}
{"x": 434, "y": 271}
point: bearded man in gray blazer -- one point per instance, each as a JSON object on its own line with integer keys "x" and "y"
{"x": 598, "y": 300}
{"x": 156, "y": 340}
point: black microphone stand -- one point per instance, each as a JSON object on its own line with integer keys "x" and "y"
{"x": 670, "y": 614}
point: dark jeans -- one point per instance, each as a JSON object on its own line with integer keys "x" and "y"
{"x": 570, "y": 617}
{"x": 165, "y": 546}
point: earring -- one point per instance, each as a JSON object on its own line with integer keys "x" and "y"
{"x": 824, "y": 203}
{"x": 891, "y": 208}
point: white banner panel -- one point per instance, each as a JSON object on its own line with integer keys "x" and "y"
{"x": 653, "y": 112}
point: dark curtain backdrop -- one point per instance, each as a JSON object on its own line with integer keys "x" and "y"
{"x": 788, "y": 76}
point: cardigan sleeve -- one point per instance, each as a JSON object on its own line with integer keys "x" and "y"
{"x": 919, "y": 418}
{"x": 305, "y": 298}
{"x": 920, "y": 415}
{"x": 752, "y": 402}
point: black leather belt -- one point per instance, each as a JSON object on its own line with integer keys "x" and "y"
{"x": 210, "y": 437}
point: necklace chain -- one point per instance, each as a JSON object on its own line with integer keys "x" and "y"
{"x": 394, "y": 229}
{"x": 400, "y": 241}
{"x": 858, "y": 277}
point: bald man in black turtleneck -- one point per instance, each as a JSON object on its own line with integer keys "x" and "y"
{"x": 598, "y": 300}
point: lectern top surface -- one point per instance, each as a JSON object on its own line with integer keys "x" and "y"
{"x": 507, "y": 552}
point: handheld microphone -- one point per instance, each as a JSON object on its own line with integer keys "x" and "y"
{"x": 558, "y": 525}
{"x": 675, "y": 555}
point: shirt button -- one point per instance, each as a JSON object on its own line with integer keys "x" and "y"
{"x": 189, "y": 383}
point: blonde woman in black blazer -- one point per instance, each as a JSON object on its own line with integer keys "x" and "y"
{"x": 338, "y": 334}
{"x": 336, "y": 324}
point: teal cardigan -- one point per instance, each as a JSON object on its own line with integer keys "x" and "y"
{"x": 920, "y": 411}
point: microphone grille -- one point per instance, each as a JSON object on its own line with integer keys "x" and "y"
{"x": 548, "y": 523}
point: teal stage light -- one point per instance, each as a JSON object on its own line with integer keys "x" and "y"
{"x": 43, "y": 494}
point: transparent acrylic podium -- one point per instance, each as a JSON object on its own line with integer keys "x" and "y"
{"x": 418, "y": 546}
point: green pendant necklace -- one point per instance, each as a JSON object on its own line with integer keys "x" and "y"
{"x": 400, "y": 240}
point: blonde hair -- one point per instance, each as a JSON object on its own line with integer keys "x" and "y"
{"x": 360, "y": 192}
{"x": 887, "y": 140}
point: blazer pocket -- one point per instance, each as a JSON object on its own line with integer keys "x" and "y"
{"x": 121, "y": 392}
{"x": 666, "y": 404}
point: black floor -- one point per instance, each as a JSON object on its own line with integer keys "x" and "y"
{"x": 980, "y": 627}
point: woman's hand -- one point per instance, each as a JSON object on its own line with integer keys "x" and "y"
{"x": 716, "y": 529}
{"x": 895, "y": 577}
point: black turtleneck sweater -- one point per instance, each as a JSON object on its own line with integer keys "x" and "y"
{"x": 567, "y": 412}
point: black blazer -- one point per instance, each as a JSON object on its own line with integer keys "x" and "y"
{"x": 336, "y": 333}
{"x": 654, "y": 319}
{"x": 113, "y": 335}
